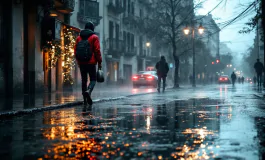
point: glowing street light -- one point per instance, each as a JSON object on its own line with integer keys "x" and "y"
{"x": 148, "y": 44}
{"x": 201, "y": 29}
{"x": 187, "y": 31}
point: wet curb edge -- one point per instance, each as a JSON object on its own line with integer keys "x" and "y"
{"x": 10, "y": 114}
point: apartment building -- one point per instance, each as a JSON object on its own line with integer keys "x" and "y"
{"x": 211, "y": 36}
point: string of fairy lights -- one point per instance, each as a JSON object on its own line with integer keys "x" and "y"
{"x": 54, "y": 51}
{"x": 67, "y": 54}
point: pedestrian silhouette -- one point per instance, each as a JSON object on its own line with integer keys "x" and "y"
{"x": 242, "y": 79}
{"x": 259, "y": 69}
{"x": 233, "y": 77}
{"x": 162, "y": 70}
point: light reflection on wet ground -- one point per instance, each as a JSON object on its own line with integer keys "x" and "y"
{"x": 151, "y": 126}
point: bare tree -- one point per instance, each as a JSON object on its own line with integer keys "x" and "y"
{"x": 167, "y": 21}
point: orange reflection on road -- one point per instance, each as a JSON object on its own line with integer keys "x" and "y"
{"x": 77, "y": 144}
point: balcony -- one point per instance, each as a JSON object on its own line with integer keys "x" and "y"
{"x": 85, "y": 18}
{"x": 130, "y": 51}
{"x": 115, "y": 47}
{"x": 142, "y": 53}
{"x": 145, "y": 2}
{"x": 130, "y": 18}
{"x": 116, "y": 8}
{"x": 64, "y": 6}
{"x": 90, "y": 12}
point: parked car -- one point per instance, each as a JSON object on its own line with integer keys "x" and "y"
{"x": 145, "y": 78}
{"x": 224, "y": 79}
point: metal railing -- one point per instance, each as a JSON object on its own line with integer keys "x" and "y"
{"x": 130, "y": 51}
{"x": 116, "y": 7}
{"x": 115, "y": 46}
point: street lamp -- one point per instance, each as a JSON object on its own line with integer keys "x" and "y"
{"x": 186, "y": 31}
{"x": 148, "y": 44}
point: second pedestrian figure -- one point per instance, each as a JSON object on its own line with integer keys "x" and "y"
{"x": 233, "y": 77}
{"x": 162, "y": 70}
{"x": 259, "y": 69}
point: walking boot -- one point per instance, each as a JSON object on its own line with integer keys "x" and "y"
{"x": 84, "y": 108}
{"x": 88, "y": 96}
{"x": 85, "y": 100}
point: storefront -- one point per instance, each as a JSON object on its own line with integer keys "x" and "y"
{"x": 60, "y": 69}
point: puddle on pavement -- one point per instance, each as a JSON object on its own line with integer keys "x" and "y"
{"x": 194, "y": 128}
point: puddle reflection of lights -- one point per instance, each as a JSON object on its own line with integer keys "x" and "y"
{"x": 150, "y": 90}
{"x": 148, "y": 123}
{"x": 149, "y": 110}
{"x": 230, "y": 109}
{"x": 199, "y": 135}
{"x": 135, "y": 91}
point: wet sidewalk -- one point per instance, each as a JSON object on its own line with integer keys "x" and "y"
{"x": 45, "y": 100}
{"x": 210, "y": 122}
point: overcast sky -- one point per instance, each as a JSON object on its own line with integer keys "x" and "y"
{"x": 226, "y": 11}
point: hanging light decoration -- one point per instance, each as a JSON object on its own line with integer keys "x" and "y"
{"x": 54, "y": 49}
{"x": 68, "y": 56}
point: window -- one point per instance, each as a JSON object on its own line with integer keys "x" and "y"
{"x": 117, "y": 30}
{"x": 129, "y": 6}
{"x": 124, "y": 37}
{"x": 141, "y": 44}
{"x": 111, "y": 29}
{"x": 132, "y": 41}
{"x": 141, "y": 13}
{"x": 132, "y": 9}
{"x": 89, "y": 8}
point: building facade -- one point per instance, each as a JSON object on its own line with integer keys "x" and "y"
{"x": 211, "y": 37}
{"x": 125, "y": 47}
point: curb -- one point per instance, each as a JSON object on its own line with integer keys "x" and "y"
{"x": 258, "y": 95}
{"x": 52, "y": 107}
{"x": 11, "y": 114}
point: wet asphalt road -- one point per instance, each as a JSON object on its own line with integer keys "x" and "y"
{"x": 212, "y": 122}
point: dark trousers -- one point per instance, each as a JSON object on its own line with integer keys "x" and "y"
{"x": 259, "y": 78}
{"x": 159, "y": 82}
{"x": 88, "y": 69}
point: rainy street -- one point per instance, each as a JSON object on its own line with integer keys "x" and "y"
{"x": 210, "y": 122}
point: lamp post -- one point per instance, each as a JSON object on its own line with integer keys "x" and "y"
{"x": 148, "y": 44}
{"x": 186, "y": 31}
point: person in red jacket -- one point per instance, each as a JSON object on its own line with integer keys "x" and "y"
{"x": 89, "y": 67}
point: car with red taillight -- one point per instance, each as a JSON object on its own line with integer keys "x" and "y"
{"x": 224, "y": 79}
{"x": 145, "y": 78}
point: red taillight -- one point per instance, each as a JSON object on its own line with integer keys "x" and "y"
{"x": 150, "y": 77}
{"x": 220, "y": 79}
{"x": 135, "y": 78}
{"x": 226, "y": 79}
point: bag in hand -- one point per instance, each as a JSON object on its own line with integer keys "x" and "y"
{"x": 100, "y": 76}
